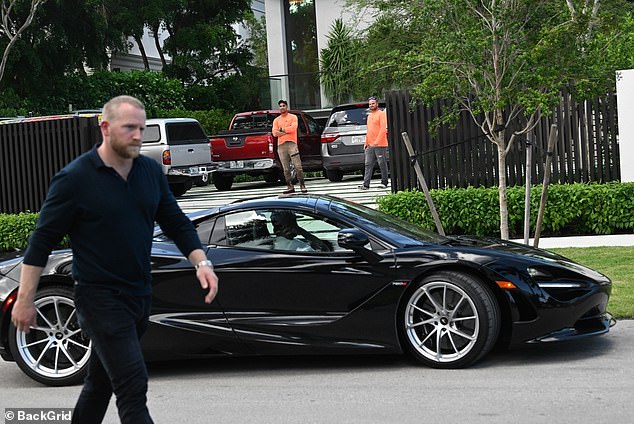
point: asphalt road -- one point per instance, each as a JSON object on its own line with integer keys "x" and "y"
{"x": 589, "y": 381}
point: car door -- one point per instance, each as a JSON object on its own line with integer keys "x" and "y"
{"x": 309, "y": 141}
{"x": 310, "y": 300}
{"x": 181, "y": 324}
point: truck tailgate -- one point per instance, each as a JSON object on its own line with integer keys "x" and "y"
{"x": 242, "y": 146}
{"x": 190, "y": 154}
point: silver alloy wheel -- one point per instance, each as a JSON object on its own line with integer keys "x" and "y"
{"x": 441, "y": 322}
{"x": 55, "y": 348}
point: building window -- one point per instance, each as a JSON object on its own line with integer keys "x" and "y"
{"x": 303, "y": 56}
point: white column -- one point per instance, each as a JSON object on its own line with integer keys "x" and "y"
{"x": 276, "y": 49}
{"x": 625, "y": 110}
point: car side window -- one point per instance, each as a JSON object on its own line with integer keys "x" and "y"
{"x": 313, "y": 126}
{"x": 301, "y": 126}
{"x": 280, "y": 230}
{"x": 151, "y": 134}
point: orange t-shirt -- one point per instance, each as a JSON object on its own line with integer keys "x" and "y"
{"x": 289, "y": 124}
{"x": 376, "y": 135}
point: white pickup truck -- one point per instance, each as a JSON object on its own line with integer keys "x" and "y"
{"x": 182, "y": 148}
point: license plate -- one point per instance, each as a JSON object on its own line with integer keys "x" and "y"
{"x": 193, "y": 170}
{"x": 358, "y": 139}
{"x": 236, "y": 164}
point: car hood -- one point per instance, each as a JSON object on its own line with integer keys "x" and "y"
{"x": 507, "y": 250}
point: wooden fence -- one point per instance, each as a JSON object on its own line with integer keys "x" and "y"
{"x": 32, "y": 151}
{"x": 461, "y": 156}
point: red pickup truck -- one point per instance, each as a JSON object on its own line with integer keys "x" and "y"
{"x": 248, "y": 147}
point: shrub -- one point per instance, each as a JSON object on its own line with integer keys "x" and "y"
{"x": 571, "y": 209}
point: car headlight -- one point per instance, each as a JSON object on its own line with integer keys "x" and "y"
{"x": 546, "y": 279}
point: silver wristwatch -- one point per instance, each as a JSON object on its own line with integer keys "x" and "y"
{"x": 206, "y": 262}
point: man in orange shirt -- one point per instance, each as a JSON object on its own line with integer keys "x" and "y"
{"x": 285, "y": 129}
{"x": 375, "y": 144}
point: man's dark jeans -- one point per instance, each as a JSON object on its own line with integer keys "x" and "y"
{"x": 114, "y": 322}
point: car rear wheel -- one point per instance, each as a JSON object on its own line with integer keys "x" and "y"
{"x": 450, "y": 320}
{"x": 334, "y": 175}
{"x": 55, "y": 352}
{"x": 222, "y": 182}
{"x": 178, "y": 189}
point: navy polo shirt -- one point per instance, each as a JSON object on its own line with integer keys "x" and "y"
{"x": 110, "y": 222}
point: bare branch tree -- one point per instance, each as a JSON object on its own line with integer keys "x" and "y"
{"x": 12, "y": 29}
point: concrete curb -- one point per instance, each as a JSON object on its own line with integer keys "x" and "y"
{"x": 583, "y": 241}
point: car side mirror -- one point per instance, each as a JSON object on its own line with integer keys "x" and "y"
{"x": 356, "y": 240}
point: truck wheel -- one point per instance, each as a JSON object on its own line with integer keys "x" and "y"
{"x": 178, "y": 189}
{"x": 272, "y": 177}
{"x": 222, "y": 182}
{"x": 334, "y": 175}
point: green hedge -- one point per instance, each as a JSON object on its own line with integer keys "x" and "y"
{"x": 575, "y": 209}
{"x": 571, "y": 209}
{"x": 15, "y": 230}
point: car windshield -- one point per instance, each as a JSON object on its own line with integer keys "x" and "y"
{"x": 401, "y": 231}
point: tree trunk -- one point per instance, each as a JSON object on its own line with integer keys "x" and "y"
{"x": 157, "y": 43}
{"x": 139, "y": 42}
{"x": 504, "y": 213}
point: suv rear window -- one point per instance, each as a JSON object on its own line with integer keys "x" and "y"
{"x": 352, "y": 115}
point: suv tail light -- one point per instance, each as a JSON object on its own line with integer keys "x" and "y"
{"x": 329, "y": 138}
{"x": 167, "y": 157}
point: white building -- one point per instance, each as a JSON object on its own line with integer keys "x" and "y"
{"x": 133, "y": 59}
{"x": 297, "y": 31}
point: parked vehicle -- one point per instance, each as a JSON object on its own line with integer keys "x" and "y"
{"x": 343, "y": 138}
{"x": 353, "y": 281}
{"x": 248, "y": 147}
{"x": 182, "y": 148}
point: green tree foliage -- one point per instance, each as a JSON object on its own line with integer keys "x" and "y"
{"x": 257, "y": 40}
{"x": 506, "y": 61}
{"x": 66, "y": 36}
{"x": 10, "y": 28}
{"x": 202, "y": 43}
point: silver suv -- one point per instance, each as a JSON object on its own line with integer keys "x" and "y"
{"x": 182, "y": 148}
{"x": 343, "y": 138}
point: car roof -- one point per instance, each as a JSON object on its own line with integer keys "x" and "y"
{"x": 267, "y": 111}
{"x": 168, "y": 120}
{"x": 345, "y": 106}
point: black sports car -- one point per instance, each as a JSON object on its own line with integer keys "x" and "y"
{"x": 308, "y": 274}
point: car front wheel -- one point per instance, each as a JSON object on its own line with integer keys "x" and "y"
{"x": 55, "y": 352}
{"x": 450, "y": 320}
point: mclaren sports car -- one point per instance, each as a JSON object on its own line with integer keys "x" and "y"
{"x": 317, "y": 275}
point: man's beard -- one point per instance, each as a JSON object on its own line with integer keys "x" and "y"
{"x": 124, "y": 150}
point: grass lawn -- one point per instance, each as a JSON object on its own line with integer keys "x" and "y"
{"x": 618, "y": 264}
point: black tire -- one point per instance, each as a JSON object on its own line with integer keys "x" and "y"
{"x": 222, "y": 182}
{"x": 449, "y": 320}
{"x": 178, "y": 189}
{"x": 334, "y": 175}
{"x": 272, "y": 177}
{"x": 56, "y": 352}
